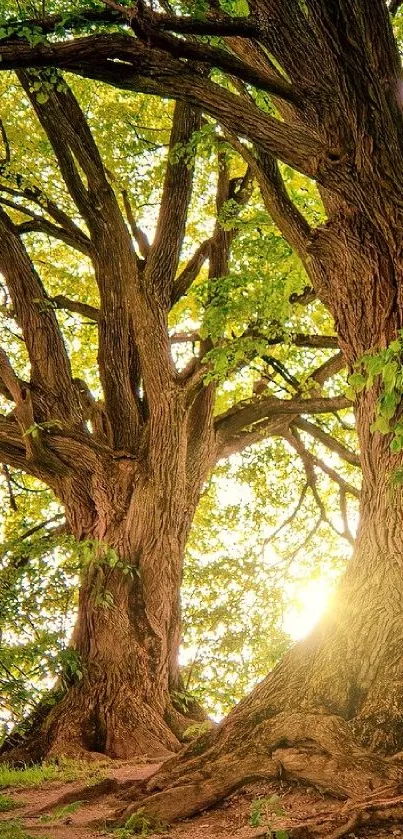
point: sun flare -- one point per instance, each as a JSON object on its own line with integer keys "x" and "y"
{"x": 308, "y": 604}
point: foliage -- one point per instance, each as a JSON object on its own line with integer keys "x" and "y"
{"x": 384, "y": 370}
{"x": 236, "y": 590}
{"x": 139, "y": 825}
{"x": 262, "y": 812}
{"x": 239, "y": 582}
{"x": 7, "y": 803}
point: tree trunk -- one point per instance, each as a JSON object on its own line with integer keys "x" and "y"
{"x": 330, "y": 713}
{"x": 124, "y": 690}
{"x": 127, "y": 637}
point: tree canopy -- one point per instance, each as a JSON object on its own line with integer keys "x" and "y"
{"x": 264, "y": 336}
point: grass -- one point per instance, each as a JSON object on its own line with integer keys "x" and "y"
{"x": 13, "y": 830}
{"x": 139, "y": 825}
{"x": 7, "y": 803}
{"x": 63, "y": 770}
{"x": 62, "y": 812}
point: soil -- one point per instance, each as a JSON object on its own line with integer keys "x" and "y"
{"x": 39, "y": 809}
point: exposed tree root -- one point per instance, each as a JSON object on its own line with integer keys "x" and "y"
{"x": 368, "y": 813}
{"x": 316, "y": 749}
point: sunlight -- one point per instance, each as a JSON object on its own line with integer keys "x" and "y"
{"x": 309, "y": 604}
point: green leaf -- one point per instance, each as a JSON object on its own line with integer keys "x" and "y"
{"x": 389, "y": 374}
{"x": 388, "y": 403}
{"x": 357, "y": 381}
{"x": 382, "y": 425}
{"x": 396, "y": 445}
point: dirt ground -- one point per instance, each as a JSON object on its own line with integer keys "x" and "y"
{"x": 44, "y": 814}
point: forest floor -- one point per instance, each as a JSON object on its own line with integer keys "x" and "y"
{"x": 80, "y": 809}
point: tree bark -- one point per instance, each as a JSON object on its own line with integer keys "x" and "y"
{"x": 133, "y": 519}
{"x": 330, "y": 713}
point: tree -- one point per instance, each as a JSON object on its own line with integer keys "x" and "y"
{"x": 333, "y": 72}
{"x": 127, "y": 455}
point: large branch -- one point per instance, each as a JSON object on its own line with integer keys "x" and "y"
{"x": 42, "y": 225}
{"x": 71, "y": 140}
{"x": 217, "y": 24}
{"x": 331, "y": 443}
{"x": 240, "y": 440}
{"x": 216, "y": 57}
{"x": 191, "y": 270}
{"x": 50, "y": 367}
{"x": 128, "y": 63}
{"x": 12, "y": 448}
{"x": 289, "y": 220}
{"x": 251, "y": 411}
{"x": 64, "y": 303}
{"x": 116, "y": 271}
{"x": 163, "y": 258}
{"x": 279, "y": 205}
{"x": 65, "y": 227}
{"x": 328, "y": 369}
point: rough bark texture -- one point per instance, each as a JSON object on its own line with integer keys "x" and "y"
{"x": 128, "y": 469}
{"x": 330, "y": 713}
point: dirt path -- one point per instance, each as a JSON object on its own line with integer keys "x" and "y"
{"x": 45, "y": 815}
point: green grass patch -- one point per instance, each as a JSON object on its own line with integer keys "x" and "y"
{"x": 63, "y": 770}
{"x": 139, "y": 825}
{"x": 13, "y": 830}
{"x": 7, "y": 803}
{"x": 62, "y": 812}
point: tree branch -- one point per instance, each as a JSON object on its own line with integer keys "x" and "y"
{"x": 328, "y": 369}
{"x": 146, "y": 30}
{"x": 312, "y": 460}
{"x": 185, "y": 279}
{"x": 251, "y": 411}
{"x": 39, "y": 224}
{"x": 12, "y": 448}
{"x": 309, "y": 462}
{"x": 162, "y": 262}
{"x": 290, "y": 518}
{"x": 289, "y": 220}
{"x": 327, "y": 440}
{"x": 139, "y": 235}
{"x": 50, "y": 366}
{"x": 11, "y": 383}
{"x": 72, "y": 140}
{"x": 129, "y": 64}
{"x": 262, "y": 430}
{"x": 76, "y": 306}
{"x": 297, "y": 339}
{"x": 76, "y": 236}
{"x": 305, "y": 297}
{"x": 218, "y": 24}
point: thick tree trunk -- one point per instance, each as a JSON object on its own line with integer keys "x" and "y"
{"x": 330, "y": 713}
{"x": 133, "y": 519}
{"x": 127, "y": 637}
